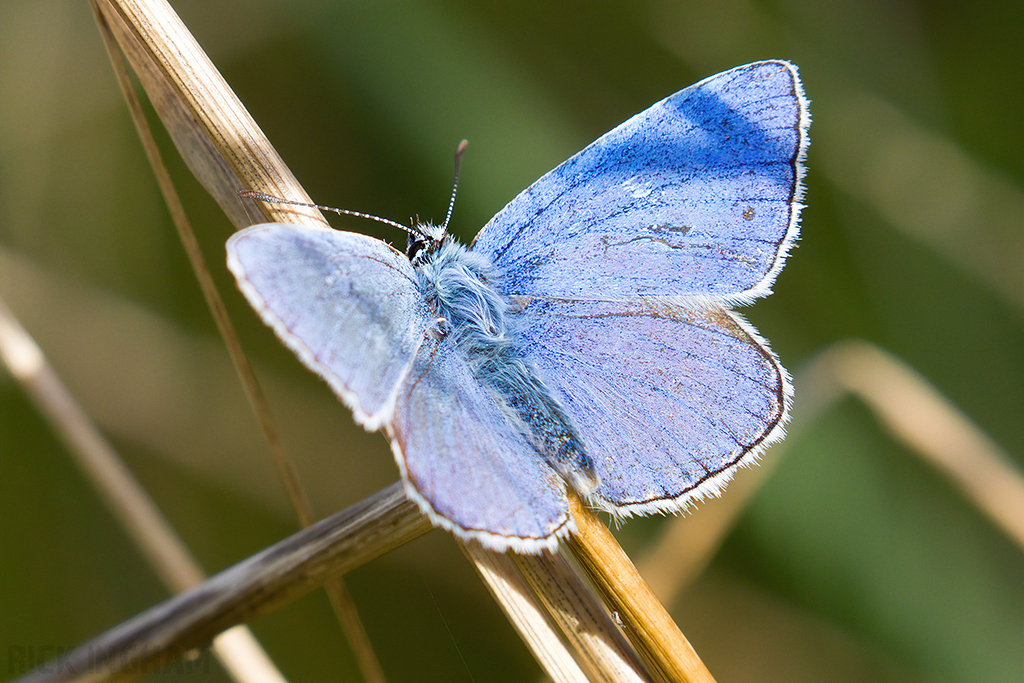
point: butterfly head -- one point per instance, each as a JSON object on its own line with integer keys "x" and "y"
{"x": 424, "y": 240}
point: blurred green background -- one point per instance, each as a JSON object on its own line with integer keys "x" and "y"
{"x": 856, "y": 560}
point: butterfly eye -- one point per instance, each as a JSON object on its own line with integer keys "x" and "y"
{"x": 424, "y": 240}
{"x": 414, "y": 245}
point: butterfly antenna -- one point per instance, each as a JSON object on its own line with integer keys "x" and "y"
{"x": 455, "y": 186}
{"x": 271, "y": 199}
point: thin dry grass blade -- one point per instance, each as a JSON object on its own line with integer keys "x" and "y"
{"x": 601, "y": 649}
{"x": 659, "y": 642}
{"x": 254, "y": 392}
{"x": 203, "y": 141}
{"x": 525, "y": 613}
{"x": 215, "y": 135}
{"x": 120, "y": 491}
{"x": 256, "y": 586}
{"x": 167, "y": 554}
{"x": 917, "y": 414}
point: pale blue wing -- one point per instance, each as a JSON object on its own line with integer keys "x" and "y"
{"x": 348, "y": 305}
{"x": 697, "y": 196}
{"x": 668, "y": 400}
{"x": 466, "y": 463}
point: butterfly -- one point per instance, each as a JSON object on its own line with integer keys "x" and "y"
{"x": 584, "y": 338}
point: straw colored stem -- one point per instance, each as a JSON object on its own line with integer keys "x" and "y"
{"x": 238, "y": 650}
{"x": 208, "y": 92}
{"x": 602, "y": 651}
{"x": 525, "y": 612}
{"x": 258, "y": 585}
{"x": 657, "y": 639}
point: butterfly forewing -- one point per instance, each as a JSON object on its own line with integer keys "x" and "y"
{"x": 347, "y": 304}
{"x": 696, "y": 196}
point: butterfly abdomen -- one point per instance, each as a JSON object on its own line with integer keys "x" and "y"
{"x": 459, "y": 285}
{"x": 545, "y": 422}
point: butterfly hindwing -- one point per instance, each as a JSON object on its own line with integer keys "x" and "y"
{"x": 348, "y": 305}
{"x": 465, "y": 461}
{"x": 696, "y": 196}
{"x": 669, "y": 400}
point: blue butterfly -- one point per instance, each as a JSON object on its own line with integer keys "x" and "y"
{"x": 583, "y": 339}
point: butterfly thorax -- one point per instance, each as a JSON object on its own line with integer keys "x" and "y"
{"x": 460, "y": 286}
